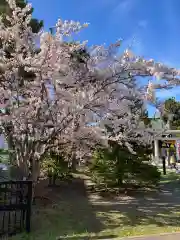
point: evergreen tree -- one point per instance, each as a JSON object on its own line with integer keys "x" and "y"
{"x": 171, "y": 106}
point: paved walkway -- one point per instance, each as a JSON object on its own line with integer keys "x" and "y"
{"x": 169, "y": 236}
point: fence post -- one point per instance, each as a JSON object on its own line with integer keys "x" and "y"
{"x": 29, "y": 203}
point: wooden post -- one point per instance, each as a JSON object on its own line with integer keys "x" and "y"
{"x": 164, "y": 165}
{"x": 156, "y": 150}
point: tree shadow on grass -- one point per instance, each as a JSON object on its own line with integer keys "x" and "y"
{"x": 160, "y": 209}
{"x": 70, "y": 216}
{"x": 75, "y": 216}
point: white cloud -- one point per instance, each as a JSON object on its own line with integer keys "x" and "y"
{"x": 103, "y": 3}
{"x": 123, "y": 11}
{"x": 135, "y": 43}
{"x": 171, "y": 17}
{"x": 124, "y": 7}
{"x": 142, "y": 23}
{"x": 97, "y": 5}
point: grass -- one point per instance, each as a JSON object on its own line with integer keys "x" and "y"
{"x": 170, "y": 176}
{"x": 113, "y": 222}
{"x": 78, "y": 216}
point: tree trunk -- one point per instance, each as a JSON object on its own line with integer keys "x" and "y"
{"x": 54, "y": 179}
{"x": 74, "y": 162}
{"x": 168, "y": 157}
{"x": 19, "y": 167}
{"x": 35, "y": 172}
{"x": 164, "y": 165}
{"x": 120, "y": 180}
{"x": 12, "y": 158}
{"x": 35, "y": 169}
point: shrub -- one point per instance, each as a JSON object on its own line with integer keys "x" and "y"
{"x": 4, "y": 156}
{"x": 143, "y": 174}
{"x": 116, "y": 166}
{"x": 55, "y": 167}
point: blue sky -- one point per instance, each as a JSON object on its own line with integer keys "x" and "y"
{"x": 150, "y": 26}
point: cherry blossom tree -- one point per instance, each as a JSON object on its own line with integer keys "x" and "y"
{"x": 65, "y": 102}
{"x": 165, "y": 78}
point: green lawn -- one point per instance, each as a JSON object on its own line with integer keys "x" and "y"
{"x": 170, "y": 176}
{"x": 78, "y": 216}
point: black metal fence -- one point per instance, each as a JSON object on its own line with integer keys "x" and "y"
{"x": 15, "y": 207}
